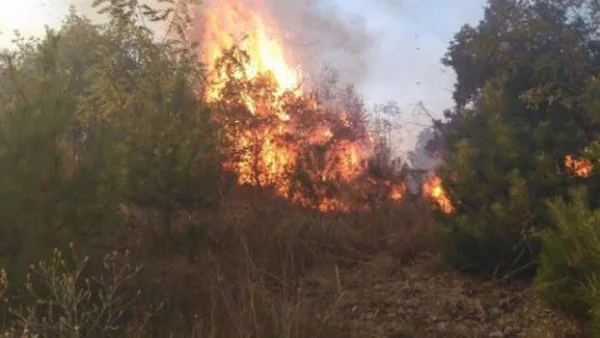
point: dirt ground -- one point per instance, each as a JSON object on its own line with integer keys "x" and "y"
{"x": 383, "y": 298}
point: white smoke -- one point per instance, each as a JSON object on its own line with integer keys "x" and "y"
{"x": 320, "y": 32}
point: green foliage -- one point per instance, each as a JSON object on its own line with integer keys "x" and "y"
{"x": 95, "y": 117}
{"x": 494, "y": 199}
{"x": 521, "y": 92}
{"x": 569, "y": 274}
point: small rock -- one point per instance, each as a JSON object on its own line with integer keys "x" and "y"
{"x": 496, "y": 334}
{"x": 495, "y": 312}
{"x": 510, "y": 331}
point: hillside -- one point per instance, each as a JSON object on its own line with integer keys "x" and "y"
{"x": 384, "y": 298}
{"x": 196, "y": 184}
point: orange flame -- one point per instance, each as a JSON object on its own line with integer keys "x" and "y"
{"x": 579, "y": 167}
{"x": 274, "y": 129}
{"x": 228, "y": 23}
{"x": 434, "y": 190}
{"x": 397, "y": 191}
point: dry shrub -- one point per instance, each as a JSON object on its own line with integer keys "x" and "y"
{"x": 402, "y": 230}
{"x": 66, "y": 296}
{"x": 237, "y": 272}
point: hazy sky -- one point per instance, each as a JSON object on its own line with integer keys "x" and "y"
{"x": 414, "y": 36}
{"x": 411, "y": 37}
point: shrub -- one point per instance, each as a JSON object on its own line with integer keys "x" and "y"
{"x": 505, "y": 142}
{"x": 493, "y": 230}
{"x": 569, "y": 272}
{"x": 59, "y": 300}
{"x": 249, "y": 266}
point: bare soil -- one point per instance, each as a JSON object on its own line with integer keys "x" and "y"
{"x": 385, "y": 298}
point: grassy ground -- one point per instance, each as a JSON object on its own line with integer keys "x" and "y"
{"x": 274, "y": 270}
{"x": 279, "y": 272}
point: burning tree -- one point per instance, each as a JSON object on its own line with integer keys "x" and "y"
{"x": 310, "y": 146}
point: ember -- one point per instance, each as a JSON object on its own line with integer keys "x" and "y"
{"x": 578, "y": 167}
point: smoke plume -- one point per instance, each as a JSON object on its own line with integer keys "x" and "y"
{"x": 317, "y": 33}
{"x": 321, "y": 33}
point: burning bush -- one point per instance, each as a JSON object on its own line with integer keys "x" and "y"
{"x": 308, "y": 146}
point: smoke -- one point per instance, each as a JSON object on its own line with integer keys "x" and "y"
{"x": 320, "y": 32}
{"x": 316, "y": 33}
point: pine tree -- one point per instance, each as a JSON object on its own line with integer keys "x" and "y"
{"x": 521, "y": 75}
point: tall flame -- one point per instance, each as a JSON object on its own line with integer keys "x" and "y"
{"x": 231, "y": 22}
{"x": 274, "y": 129}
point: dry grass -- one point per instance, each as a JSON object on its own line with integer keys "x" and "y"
{"x": 275, "y": 270}
{"x": 385, "y": 298}
{"x": 244, "y": 266}
{"x": 235, "y": 272}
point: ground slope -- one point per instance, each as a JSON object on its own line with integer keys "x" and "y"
{"x": 383, "y": 298}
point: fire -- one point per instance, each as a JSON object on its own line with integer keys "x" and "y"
{"x": 434, "y": 190}
{"x": 276, "y": 134}
{"x": 397, "y": 191}
{"x": 231, "y": 22}
{"x": 579, "y": 167}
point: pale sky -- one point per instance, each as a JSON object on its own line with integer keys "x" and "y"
{"x": 29, "y": 16}
{"x": 406, "y": 67}
{"x": 413, "y": 36}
